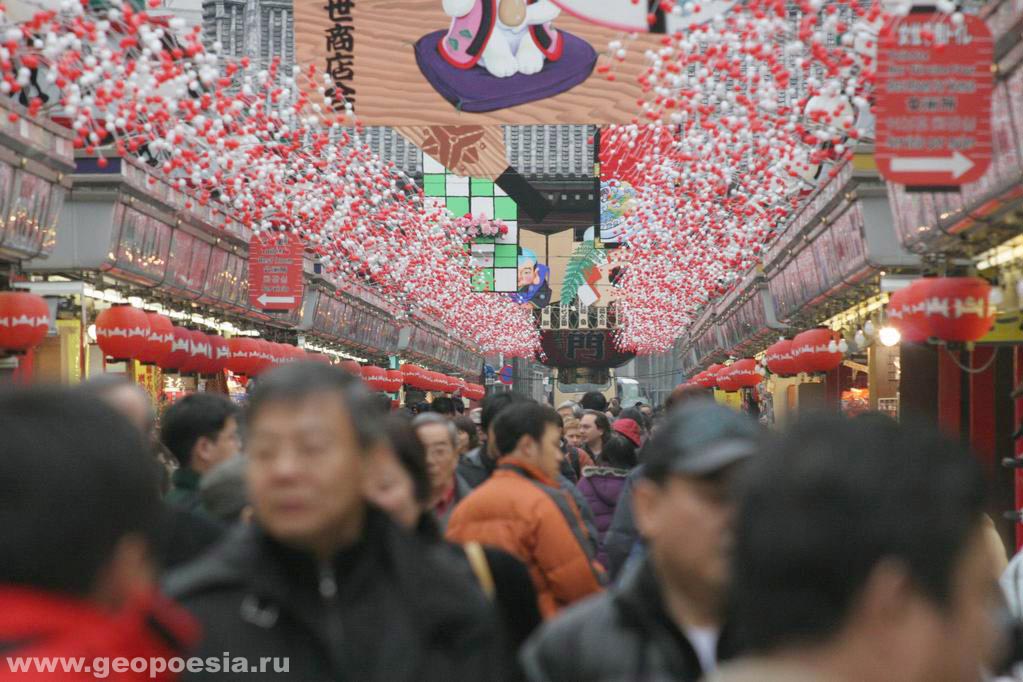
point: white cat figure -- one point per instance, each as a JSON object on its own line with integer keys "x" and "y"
{"x": 520, "y": 40}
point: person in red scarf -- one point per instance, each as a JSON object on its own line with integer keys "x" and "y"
{"x": 77, "y": 585}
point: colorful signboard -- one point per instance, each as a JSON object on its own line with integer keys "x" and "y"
{"x": 496, "y": 255}
{"x": 275, "y": 271}
{"x": 458, "y": 62}
{"x": 582, "y": 348}
{"x": 934, "y": 90}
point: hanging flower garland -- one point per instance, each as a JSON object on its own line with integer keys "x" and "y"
{"x": 742, "y": 117}
{"x": 253, "y": 142}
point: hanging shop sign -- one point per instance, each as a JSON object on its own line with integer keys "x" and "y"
{"x": 593, "y": 348}
{"x": 470, "y": 61}
{"x": 934, "y": 90}
{"x": 275, "y": 271}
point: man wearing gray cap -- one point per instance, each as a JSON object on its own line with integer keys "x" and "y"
{"x": 665, "y": 621}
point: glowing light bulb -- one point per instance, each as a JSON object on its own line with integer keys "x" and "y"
{"x": 997, "y": 297}
{"x": 889, "y": 336}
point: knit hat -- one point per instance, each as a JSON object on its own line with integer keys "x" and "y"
{"x": 630, "y": 429}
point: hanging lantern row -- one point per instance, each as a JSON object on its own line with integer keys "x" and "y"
{"x": 956, "y": 309}
{"x": 24, "y": 319}
{"x": 740, "y": 374}
{"x": 126, "y": 333}
{"x": 413, "y": 376}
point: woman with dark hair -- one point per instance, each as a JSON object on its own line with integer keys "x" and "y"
{"x": 398, "y": 483}
{"x": 603, "y": 485}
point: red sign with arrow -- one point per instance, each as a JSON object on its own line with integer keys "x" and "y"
{"x": 275, "y": 271}
{"x": 934, "y": 88}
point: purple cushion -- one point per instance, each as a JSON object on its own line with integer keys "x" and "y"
{"x": 475, "y": 90}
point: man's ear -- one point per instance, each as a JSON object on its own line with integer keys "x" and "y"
{"x": 526, "y": 446}
{"x": 887, "y": 597}
{"x": 128, "y": 573}
{"x": 201, "y": 453}
{"x": 646, "y": 498}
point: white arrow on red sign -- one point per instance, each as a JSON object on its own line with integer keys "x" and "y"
{"x": 265, "y": 300}
{"x": 957, "y": 164}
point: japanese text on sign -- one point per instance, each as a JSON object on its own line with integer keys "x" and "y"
{"x": 340, "y": 38}
{"x": 934, "y": 100}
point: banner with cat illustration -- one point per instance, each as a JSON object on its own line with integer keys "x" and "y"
{"x": 485, "y": 62}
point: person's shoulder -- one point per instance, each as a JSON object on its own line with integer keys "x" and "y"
{"x": 222, "y": 568}
{"x": 584, "y": 624}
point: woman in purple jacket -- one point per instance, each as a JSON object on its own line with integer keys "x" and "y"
{"x": 602, "y": 485}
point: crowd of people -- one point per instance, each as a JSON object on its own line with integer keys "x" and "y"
{"x": 517, "y": 542}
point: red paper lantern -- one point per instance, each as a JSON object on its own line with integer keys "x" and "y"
{"x": 181, "y": 350}
{"x": 477, "y": 392}
{"x": 394, "y": 380}
{"x": 415, "y": 376}
{"x": 200, "y": 354}
{"x": 320, "y": 358}
{"x": 159, "y": 341}
{"x": 122, "y": 331}
{"x": 780, "y": 360}
{"x": 811, "y": 350}
{"x": 375, "y": 377}
{"x": 744, "y": 373}
{"x": 705, "y": 379}
{"x": 221, "y": 353}
{"x": 24, "y": 319}
{"x": 264, "y": 358}
{"x": 906, "y": 313}
{"x": 279, "y": 353}
{"x": 352, "y": 367}
{"x": 244, "y": 352}
{"x": 712, "y": 373}
{"x": 725, "y": 380}
{"x": 957, "y": 308}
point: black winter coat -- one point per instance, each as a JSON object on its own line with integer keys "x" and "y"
{"x": 623, "y": 635}
{"x": 390, "y": 609}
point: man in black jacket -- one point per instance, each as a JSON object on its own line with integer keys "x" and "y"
{"x": 321, "y": 578}
{"x": 477, "y": 465}
{"x": 666, "y": 620}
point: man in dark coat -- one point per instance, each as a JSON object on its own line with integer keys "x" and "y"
{"x": 478, "y": 464}
{"x": 667, "y": 620}
{"x": 320, "y": 578}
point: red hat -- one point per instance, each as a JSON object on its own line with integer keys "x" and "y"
{"x": 630, "y": 429}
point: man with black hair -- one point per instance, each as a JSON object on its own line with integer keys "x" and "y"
{"x": 666, "y": 620}
{"x": 201, "y": 431}
{"x": 78, "y": 508}
{"x": 321, "y": 577}
{"x": 860, "y": 557}
{"x": 443, "y": 406}
{"x": 594, "y": 400}
{"x": 477, "y": 466}
{"x": 521, "y": 509}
